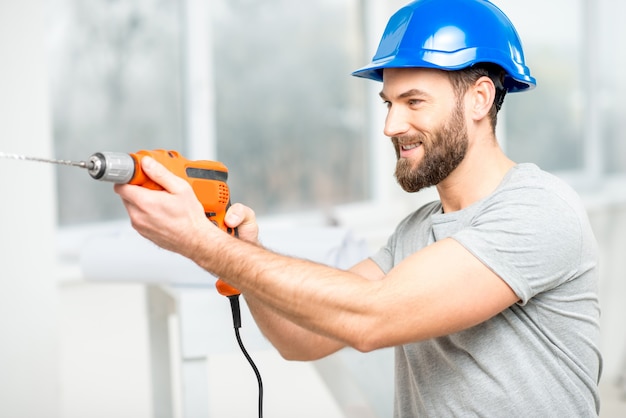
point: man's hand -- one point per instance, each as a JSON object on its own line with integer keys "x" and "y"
{"x": 173, "y": 218}
{"x": 243, "y": 218}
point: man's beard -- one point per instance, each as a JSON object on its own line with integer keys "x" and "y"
{"x": 443, "y": 152}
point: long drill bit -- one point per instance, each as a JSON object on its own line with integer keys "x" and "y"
{"x": 82, "y": 164}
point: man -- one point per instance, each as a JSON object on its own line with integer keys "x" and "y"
{"x": 489, "y": 295}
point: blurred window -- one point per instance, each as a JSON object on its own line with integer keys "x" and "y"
{"x": 287, "y": 116}
{"x": 572, "y": 123}
{"x": 115, "y": 77}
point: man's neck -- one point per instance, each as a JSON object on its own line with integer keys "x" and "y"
{"x": 478, "y": 175}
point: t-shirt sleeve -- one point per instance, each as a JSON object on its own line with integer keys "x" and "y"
{"x": 384, "y": 257}
{"x": 410, "y": 235}
{"x": 531, "y": 238}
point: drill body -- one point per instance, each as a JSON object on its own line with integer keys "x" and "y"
{"x": 207, "y": 179}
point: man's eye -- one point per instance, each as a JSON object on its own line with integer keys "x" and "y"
{"x": 387, "y": 104}
{"x": 414, "y": 102}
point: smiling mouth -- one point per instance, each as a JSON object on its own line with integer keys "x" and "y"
{"x": 408, "y": 147}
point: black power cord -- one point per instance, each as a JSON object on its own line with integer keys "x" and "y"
{"x": 234, "y": 307}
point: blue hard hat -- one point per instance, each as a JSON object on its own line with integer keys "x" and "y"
{"x": 451, "y": 35}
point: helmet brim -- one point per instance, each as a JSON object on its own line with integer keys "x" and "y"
{"x": 447, "y": 61}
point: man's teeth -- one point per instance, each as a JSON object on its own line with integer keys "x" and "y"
{"x": 410, "y": 146}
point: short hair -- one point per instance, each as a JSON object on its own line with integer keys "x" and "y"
{"x": 463, "y": 79}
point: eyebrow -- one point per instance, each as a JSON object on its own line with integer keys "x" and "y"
{"x": 408, "y": 93}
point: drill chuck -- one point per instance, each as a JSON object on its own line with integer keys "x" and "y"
{"x": 114, "y": 167}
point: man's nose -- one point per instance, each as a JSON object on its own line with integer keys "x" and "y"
{"x": 396, "y": 122}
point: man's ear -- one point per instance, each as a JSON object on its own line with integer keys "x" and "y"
{"x": 483, "y": 94}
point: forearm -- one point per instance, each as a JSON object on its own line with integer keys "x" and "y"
{"x": 292, "y": 341}
{"x": 320, "y": 299}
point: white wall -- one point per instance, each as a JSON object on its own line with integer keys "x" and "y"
{"x": 28, "y": 295}
{"x": 105, "y": 353}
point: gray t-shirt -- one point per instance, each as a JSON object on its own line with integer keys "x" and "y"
{"x": 539, "y": 357}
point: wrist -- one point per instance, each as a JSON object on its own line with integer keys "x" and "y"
{"x": 207, "y": 237}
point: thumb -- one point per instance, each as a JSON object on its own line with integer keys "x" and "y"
{"x": 238, "y": 215}
{"x": 160, "y": 175}
{"x": 242, "y": 217}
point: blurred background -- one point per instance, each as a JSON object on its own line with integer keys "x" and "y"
{"x": 263, "y": 86}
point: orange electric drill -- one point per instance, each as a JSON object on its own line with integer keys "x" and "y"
{"x": 207, "y": 179}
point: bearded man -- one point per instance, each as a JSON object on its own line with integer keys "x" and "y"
{"x": 489, "y": 295}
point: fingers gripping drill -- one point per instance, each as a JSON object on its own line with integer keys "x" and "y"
{"x": 207, "y": 179}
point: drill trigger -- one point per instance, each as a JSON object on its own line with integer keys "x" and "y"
{"x": 210, "y": 215}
